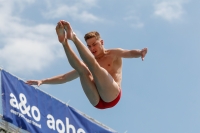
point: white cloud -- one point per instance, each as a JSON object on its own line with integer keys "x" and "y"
{"x": 169, "y": 10}
{"x": 5, "y": 5}
{"x": 89, "y": 3}
{"x": 134, "y": 20}
{"x": 25, "y": 45}
{"x": 61, "y": 11}
{"x": 24, "y": 54}
{"x": 87, "y": 17}
{"x": 76, "y": 11}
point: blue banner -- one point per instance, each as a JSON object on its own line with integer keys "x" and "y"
{"x": 33, "y": 110}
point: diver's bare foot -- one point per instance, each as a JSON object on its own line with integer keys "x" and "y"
{"x": 60, "y": 32}
{"x": 70, "y": 34}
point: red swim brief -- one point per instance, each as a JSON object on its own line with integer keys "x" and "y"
{"x": 104, "y": 105}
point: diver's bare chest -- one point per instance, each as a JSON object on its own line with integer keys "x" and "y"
{"x": 106, "y": 62}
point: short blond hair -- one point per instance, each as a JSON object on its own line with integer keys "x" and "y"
{"x": 92, "y": 34}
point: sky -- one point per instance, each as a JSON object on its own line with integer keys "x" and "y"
{"x": 159, "y": 95}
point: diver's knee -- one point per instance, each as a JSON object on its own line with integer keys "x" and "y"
{"x": 84, "y": 70}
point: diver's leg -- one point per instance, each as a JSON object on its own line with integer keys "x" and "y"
{"x": 86, "y": 78}
{"x": 108, "y": 89}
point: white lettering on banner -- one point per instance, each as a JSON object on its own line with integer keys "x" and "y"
{"x": 59, "y": 122}
{"x": 27, "y": 120}
{"x": 14, "y": 112}
{"x": 51, "y": 122}
{"x": 13, "y": 101}
{"x": 22, "y": 105}
{"x": 59, "y": 125}
{"x": 36, "y": 124}
{"x": 34, "y": 112}
{"x": 23, "y": 108}
{"x": 21, "y": 115}
{"x": 35, "y": 109}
